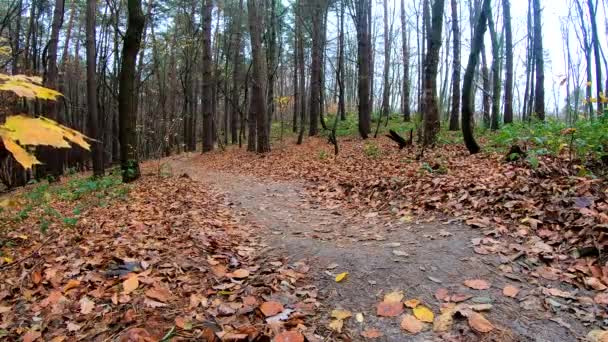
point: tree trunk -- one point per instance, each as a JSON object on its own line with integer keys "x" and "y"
{"x": 508, "y": 115}
{"x": 258, "y": 93}
{"x": 598, "y": 62}
{"x": 387, "y": 57}
{"x": 127, "y": 97}
{"x": 51, "y": 157}
{"x": 539, "y": 91}
{"x": 236, "y": 65}
{"x": 315, "y": 69}
{"x": 363, "y": 61}
{"x": 431, "y": 115}
{"x": 300, "y": 56}
{"x": 93, "y": 120}
{"x": 455, "y": 110}
{"x": 406, "y": 67}
{"x": 340, "y": 73}
{"x": 467, "y": 85}
{"x": 496, "y": 61}
{"x": 207, "y": 66}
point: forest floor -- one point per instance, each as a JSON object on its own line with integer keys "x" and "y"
{"x": 371, "y": 244}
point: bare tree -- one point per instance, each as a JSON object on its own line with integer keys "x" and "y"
{"x": 207, "y": 89}
{"x": 508, "y": 115}
{"x": 539, "y": 91}
{"x": 455, "y": 111}
{"x": 93, "y": 120}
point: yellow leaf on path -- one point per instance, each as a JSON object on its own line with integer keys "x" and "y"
{"x": 424, "y": 314}
{"x": 341, "y": 314}
{"x": 342, "y": 276}
{"x": 336, "y": 325}
{"x": 130, "y": 285}
{"x": 444, "y": 321}
{"x": 412, "y": 303}
{"x": 22, "y": 156}
{"x": 410, "y": 324}
{"x": 393, "y": 297}
{"x": 7, "y": 260}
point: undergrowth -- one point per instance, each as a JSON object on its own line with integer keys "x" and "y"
{"x": 63, "y": 203}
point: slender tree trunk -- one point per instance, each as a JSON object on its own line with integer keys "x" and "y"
{"x": 598, "y": 62}
{"x": 340, "y": 73}
{"x": 486, "y": 95}
{"x": 467, "y": 85}
{"x": 301, "y": 66}
{"x": 496, "y": 62}
{"x": 363, "y": 61}
{"x": 236, "y": 71}
{"x": 508, "y": 115}
{"x": 207, "y": 66}
{"x": 431, "y": 115}
{"x": 315, "y": 69}
{"x": 53, "y": 158}
{"x": 539, "y": 91}
{"x": 127, "y": 97}
{"x": 406, "y": 67}
{"x": 93, "y": 120}
{"x": 455, "y": 110}
{"x": 387, "y": 57}
{"x": 258, "y": 93}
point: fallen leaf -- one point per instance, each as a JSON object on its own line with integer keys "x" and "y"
{"x": 271, "y": 308}
{"x": 444, "y": 321}
{"x": 341, "y": 314}
{"x": 86, "y": 306}
{"x": 479, "y": 323}
{"x": 510, "y": 291}
{"x": 73, "y": 327}
{"x": 372, "y": 333}
{"x": 240, "y": 273}
{"x": 159, "y": 293}
{"x": 601, "y": 298}
{"x": 289, "y": 336}
{"x": 336, "y": 325}
{"x": 72, "y": 284}
{"x": 393, "y": 297}
{"x": 477, "y": 284}
{"x": 597, "y": 335}
{"x": 31, "y": 336}
{"x": 341, "y": 277}
{"x": 130, "y": 285}
{"x": 153, "y": 304}
{"x": 412, "y": 325}
{"x": 594, "y": 283}
{"x": 412, "y": 303}
{"x": 424, "y": 314}
{"x": 442, "y": 294}
{"x": 386, "y": 309}
{"x": 183, "y": 323}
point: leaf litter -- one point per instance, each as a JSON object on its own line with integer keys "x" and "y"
{"x": 169, "y": 260}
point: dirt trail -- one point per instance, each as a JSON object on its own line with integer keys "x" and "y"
{"x": 382, "y": 254}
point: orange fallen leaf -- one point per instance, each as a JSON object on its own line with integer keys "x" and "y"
{"x": 86, "y": 306}
{"x": 289, "y": 336}
{"x": 477, "y": 284}
{"x": 159, "y": 293}
{"x": 271, "y": 308}
{"x": 412, "y": 303}
{"x": 510, "y": 291}
{"x": 130, "y": 285}
{"x": 412, "y": 325}
{"x": 72, "y": 284}
{"x": 393, "y": 297}
{"x": 387, "y": 309}
{"x": 372, "y": 333}
{"x": 31, "y": 336}
{"x": 479, "y": 323}
{"x": 240, "y": 273}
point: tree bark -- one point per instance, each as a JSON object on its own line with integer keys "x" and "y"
{"x": 467, "y": 85}
{"x": 93, "y": 120}
{"x": 598, "y": 62}
{"x": 508, "y": 115}
{"x": 258, "y": 93}
{"x": 539, "y": 91}
{"x": 363, "y": 62}
{"x": 406, "y": 67}
{"x": 431, "y": 115}
{"x": 315, "y": 69}
{"x": 236, "y": 71}
{"x": 496, "y": 62}
{"x": 340, "y": 71}
{"x": 127, "y": 97}
{"x": 208, "y": 80}
{"x": 455, "y": 110}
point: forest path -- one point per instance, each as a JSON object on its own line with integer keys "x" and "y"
{"x": 381, "y": 255}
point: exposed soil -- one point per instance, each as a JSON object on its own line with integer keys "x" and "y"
{"x": 383, "y": 254}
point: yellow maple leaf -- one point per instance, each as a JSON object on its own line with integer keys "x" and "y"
{"x": 340, "y": 277}
{"x": 424, "y": 314}
{"x": 341, "y": 314}
{"x": 25, "y": 86}
{"x": 22, "y": 156}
